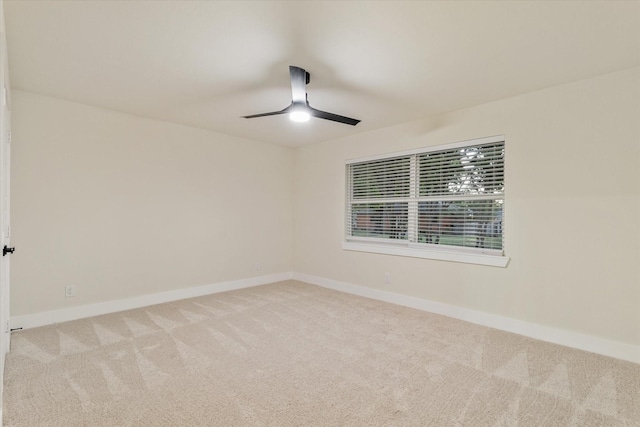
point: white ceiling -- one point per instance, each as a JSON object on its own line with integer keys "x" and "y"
{"x": 206, "y": 63}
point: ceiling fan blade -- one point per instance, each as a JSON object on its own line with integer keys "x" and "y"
{"x": 273, "y": 113}
{"x": 334, "y": 117}
{"x": 299, "y": 79}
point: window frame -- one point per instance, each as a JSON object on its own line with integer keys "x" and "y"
{"x": 407, "y": 247}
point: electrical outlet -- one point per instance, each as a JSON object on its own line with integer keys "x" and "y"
{"x": 257, "y": 266}
{"x": 69, "y": 291}
{"x": 387, "y": 278}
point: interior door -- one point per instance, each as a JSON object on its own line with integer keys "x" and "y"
{"x": 5, "y": 236}
{"x": 5, "y": 229}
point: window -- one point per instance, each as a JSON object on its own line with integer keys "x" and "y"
{"x": 443, "y": 202}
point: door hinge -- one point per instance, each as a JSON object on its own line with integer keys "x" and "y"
{"x": 8, "y": 137}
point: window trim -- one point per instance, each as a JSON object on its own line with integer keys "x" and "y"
{"x": 427, "y": 253}
{"x": 409, "y": 249}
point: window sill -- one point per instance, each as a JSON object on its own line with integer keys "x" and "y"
{"x": 467, "y": 258}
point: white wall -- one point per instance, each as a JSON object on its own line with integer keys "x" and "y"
{"x": 122, "y": 206}
{"x": 572, "y": 210}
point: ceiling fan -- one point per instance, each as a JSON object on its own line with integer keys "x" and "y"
{"x": 299, "y": 110}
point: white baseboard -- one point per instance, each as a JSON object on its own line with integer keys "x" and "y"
{"x": 544, "y": 333}
{"x": 88, "y": 310}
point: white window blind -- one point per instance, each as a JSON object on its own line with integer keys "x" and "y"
{"x": 380, "y": 194}
{"x": 448, "y": 197}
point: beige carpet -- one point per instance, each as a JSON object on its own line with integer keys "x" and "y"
{"x": 292, "y": 354}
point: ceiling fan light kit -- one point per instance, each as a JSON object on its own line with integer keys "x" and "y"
{"x": 299, "y": 110}
{"x": 299, "y": 115}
